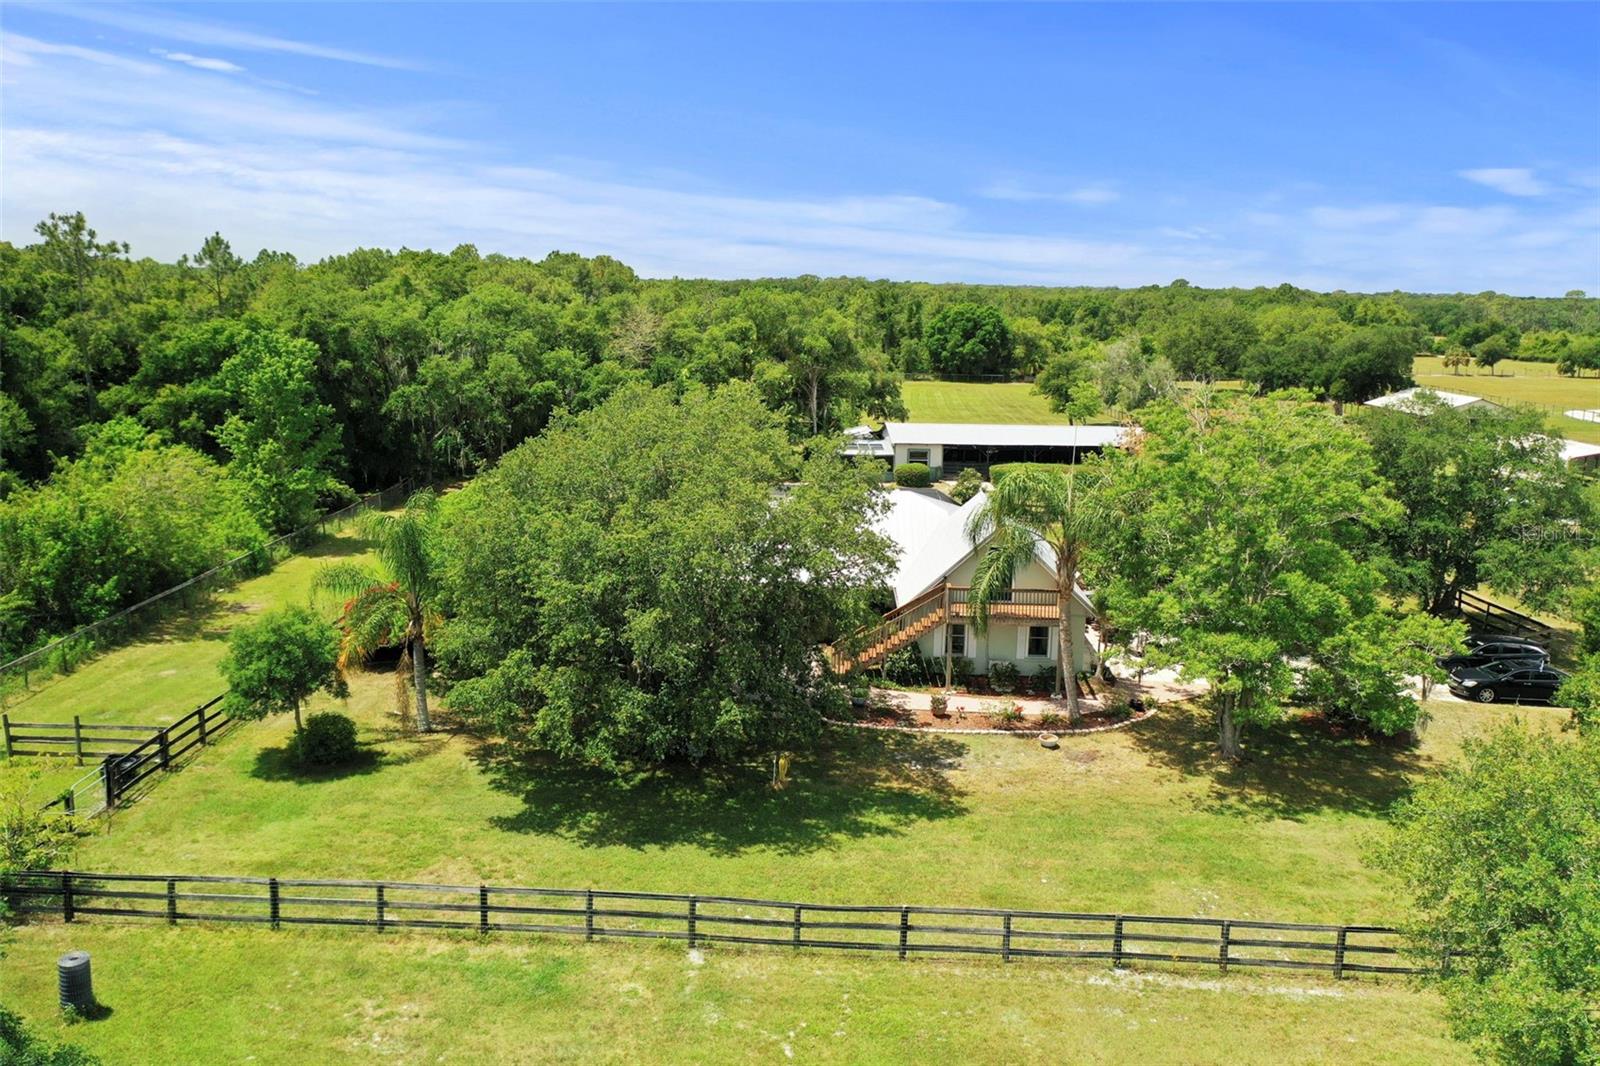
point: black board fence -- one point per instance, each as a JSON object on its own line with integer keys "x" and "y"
{"x": 64, "y": 654}
{"x": 904, "y": 931}
{"x": 122, "y": 773}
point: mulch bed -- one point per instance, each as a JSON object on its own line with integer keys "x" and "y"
{"x": 978, "y": 722}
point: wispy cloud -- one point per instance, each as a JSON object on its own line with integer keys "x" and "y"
{"x": 199, "y": 62}
{"x": 161, "y": 153}
{"x": 1513, "y": 181}
{"x": 171, "y": 27}
{"x": 1021, "y": 192}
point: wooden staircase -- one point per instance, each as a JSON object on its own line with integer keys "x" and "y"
{"x": 903, "y": 625}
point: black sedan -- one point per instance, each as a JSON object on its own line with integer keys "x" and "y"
{"x": 1509, "y": 681}
{"x": 1484, "y": 654}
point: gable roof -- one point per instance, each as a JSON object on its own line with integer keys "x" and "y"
{"x": 1412, "y": 399}
{"x": 930, "y": 529}
{"x": 987, "y": 435}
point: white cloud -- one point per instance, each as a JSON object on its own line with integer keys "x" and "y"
{"x": 199, "y": 62}
{"x": 1086, "y": 195}
{"x": 1513, "y": 181}
{"x": 218, "y": 35}
{"x": 161, "y": 154}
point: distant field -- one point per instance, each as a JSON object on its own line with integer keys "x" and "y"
{"x": 1519, "y": 382}
{"x": 965, "y": 401}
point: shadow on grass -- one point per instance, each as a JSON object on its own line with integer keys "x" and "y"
{"x": 855, "y": 785}
{"x": 1300, "y": 767}
{"x": 276, "y": 764}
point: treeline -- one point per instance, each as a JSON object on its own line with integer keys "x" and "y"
{"x": 292, "y": 385}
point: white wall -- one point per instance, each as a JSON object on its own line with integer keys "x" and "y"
{"x": 902, "y": 454}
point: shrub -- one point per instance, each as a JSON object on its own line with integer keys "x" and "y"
{"x": 968, "y": 483}
{"x": 1044, "y": 679}
{"x": 1052, "y": 721}
{"x": 1003, "y": 715}
{"x": 328, "y": 739}
{"x": 913, "y": 475}
{"x": 904, "y": 666}
{"x": 1001, "y": 470}
{"x": 1003, "y": 676}
{"x": 940, "y": 704}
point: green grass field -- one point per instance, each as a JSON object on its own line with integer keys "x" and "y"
{"x": 964, "y": 401}
{"x": 1519, "y": 382}
{"x": 213, "y": 995}
{"x": 1514, "y": 382}
{"x": 173, "y": 669}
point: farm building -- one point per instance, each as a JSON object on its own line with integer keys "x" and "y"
{"x": 950, "y": 447}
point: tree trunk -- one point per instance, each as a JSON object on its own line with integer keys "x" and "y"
{"x": 419, "y": 677}
{"x": 1228, "y": 731}
{"x": 1066, "y": 579}
{"x": 297, "y": 726}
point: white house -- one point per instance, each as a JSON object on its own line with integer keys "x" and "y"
{"x": 950, "y": 447}
{"x": 931, "y": 586}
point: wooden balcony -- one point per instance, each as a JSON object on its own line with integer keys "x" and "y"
{"x": 906, "y": 623}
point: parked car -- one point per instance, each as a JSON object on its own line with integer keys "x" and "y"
{"x": 1475, "y": 640}
{"x": 1499, "y": 649}
{"x": 1513, "y": 682}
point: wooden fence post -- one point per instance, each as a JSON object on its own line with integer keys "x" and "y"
{"x": 588, "y": 914}
{"x": 5, "y": 730}
{"x": 166, "y": 752}
{"x": 77, "y": 737}
{"x": 68, "y": 912}
{"x": 1338, "y": 953}
{"x": 1222, "y": 951}
{"x": 380, "y": 908}
{"x": 272, "y": 901}
{"x": 797, "y": 927}
{"x": 108, "y": 770}
{"x": 1116, "y": 944}
{"x": 1005, "y": 940}
{"x": 905, "y": 929}
{"x": 172, "y": 902}
{"x": 200, "y": 717}
{"x": 483, "y": 909}
{"x": 694, "y": 904}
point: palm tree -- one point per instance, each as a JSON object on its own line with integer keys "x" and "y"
{"x": 392, "y": 604}
{"x": 1029, "y": 507}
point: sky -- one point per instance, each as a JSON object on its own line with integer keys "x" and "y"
{"x": 1430, "y": 147}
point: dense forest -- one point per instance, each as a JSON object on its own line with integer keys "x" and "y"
{"x": 156, "y": 418}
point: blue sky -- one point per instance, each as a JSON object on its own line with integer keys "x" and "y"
{"x": 1432, "y": 147}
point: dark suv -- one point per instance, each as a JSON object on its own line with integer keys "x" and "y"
{"x": 1508, "y": 681}
{"x": 1490, "y": 651}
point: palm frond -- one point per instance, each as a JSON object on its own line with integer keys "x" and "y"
{"x": 1009, "y": 551}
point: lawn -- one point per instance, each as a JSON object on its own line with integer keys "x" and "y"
{"x": 1140, "y": 820}
{"x": 172, "y": 670}
{"x": 967, "y": 401}
{"x": 1519, "y": 382}
{"x": 208, "y": 994}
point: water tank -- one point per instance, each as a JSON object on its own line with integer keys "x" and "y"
{"x": 77, "y": 987}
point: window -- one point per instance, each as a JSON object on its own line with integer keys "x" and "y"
{"x": 1038, "y": 641}
{"x": 917, "y": 455}
{"x": 958, "y": 639}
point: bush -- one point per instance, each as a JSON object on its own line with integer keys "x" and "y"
{"x": 913, "y": 475}
{"x": 904, "y": 666}
{"x": 1044, "y": 679}
{"x": 21, "y": 1045}
{"x": 968, "y": 484}
{"x": 1003, "y": 715}
{"x": 1003, "y": 676}
{"x": 1052, "y": 721}
{"x": 1001, "y": 470}
{"x": 328, "y": 739}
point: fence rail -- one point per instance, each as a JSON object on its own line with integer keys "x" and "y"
{"x": 122, "y": 773}
{"x": 1499, "y": 617}
{"x": 65, "y": 653}
{"x": 903, "y": 930}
